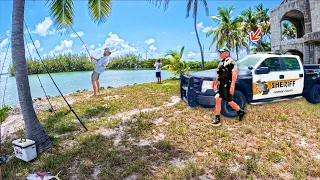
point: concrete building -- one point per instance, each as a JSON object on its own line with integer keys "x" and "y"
{"x": 305, "y": 16}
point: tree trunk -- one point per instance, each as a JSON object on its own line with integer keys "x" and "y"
{"x": 34, "y": 129}
{"x": 195, "y": 28}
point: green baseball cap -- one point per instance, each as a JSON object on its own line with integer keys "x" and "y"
{"x": 224, "y": 49}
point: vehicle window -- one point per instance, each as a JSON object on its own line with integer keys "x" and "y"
{"x": 272, "y": 63}
{"x": 247, "y": 61}
{"x": 291, "y": 64}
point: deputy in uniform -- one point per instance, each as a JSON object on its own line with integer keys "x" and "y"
{"x": 226, "y": 80}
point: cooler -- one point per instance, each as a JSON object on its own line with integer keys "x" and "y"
{"x": 25, "y": 149}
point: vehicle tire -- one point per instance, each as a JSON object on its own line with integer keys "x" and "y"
{"x": 227, "y": 110}
{"x": 313, "y": 95}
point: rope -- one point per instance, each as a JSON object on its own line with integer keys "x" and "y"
{"x": 41, "y": 82}
{"x": 53, "y": 80}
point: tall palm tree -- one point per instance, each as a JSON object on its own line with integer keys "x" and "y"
{"x": 263, "y": 23}
{"x": 227, "y": 30}
{"x": 240, "y": 40}
{"x": 249, "y": 23}
{"x": 177, "y": 65}
{"x": 62, "y": 13}
{"x": 195, "y": 12}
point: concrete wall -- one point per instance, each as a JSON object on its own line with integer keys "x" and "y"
{"x": 276, "y": 15}
{"x": 315, "y": 14}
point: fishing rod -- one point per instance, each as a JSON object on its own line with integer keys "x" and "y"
{"x": 53, "y": 80}
{"x": 81, "y": 41}
{"x": 41, "y": 82}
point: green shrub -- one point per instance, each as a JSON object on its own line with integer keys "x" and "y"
{"x": 3, "y": 113}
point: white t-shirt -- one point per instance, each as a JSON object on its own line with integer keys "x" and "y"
{"x": 158, "y": 66}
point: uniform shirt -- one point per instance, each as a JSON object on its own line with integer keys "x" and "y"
{"x": 225, "y": 70}
{"x": 158, "y": 67}
{"x": 101, "y": 64}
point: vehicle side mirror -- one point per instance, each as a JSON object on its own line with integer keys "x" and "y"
{"x": 250, "y": 68}
{"x": 262, "y": 70}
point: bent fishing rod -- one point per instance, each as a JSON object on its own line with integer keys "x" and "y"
{"x": 53, "y": 80}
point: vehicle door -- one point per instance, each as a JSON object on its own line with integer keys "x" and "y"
{"x": 266, "y": 79}
{"x": 294, "y": 76}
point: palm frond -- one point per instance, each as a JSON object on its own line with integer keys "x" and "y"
{"x": 158, "y": 3}
{"x": 181, "y": 52}
{"x": 100, "y": 10}
{"x": 195, "y": 8}
{"x": 206, "y": 7}
{"x": 189, "y": 8}
{"x": 62, "y": 12}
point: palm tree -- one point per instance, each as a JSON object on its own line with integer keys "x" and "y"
{"x": 263, "y": 23}
{"x": 177, "y": 65}
{"x": 227, "y": 30}
{"x": 62, "y": 13}
{"x": 195, "y": 12}
{"x": 240, "y": 40}
{"x": 249, "y": 23}
{"x": 288, "y": 31}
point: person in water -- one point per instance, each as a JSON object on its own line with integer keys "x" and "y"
{"x": 100, "y": 66}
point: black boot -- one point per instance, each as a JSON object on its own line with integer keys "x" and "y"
{"x": 216, "y": 122}
{"x": 241, "y": 114}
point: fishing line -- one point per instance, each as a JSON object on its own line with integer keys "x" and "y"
{"x": 40, "y": 81}
{"x": 81, "y": 41}
{"x": 53, "y": 80}
{"x": 5, "y": 85}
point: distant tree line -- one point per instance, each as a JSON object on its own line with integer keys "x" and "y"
{"x": 79, "y": 62}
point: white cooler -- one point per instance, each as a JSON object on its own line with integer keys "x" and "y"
{"x": 25, "y": 149}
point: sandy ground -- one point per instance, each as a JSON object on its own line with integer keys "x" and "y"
{"x": 14, "y": 122}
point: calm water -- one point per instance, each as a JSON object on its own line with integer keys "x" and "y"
{"x": 72, "y": 81}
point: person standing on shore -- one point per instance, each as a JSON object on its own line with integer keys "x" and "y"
{"x": 100, "y": 66}
{"x": 158, "y": 65}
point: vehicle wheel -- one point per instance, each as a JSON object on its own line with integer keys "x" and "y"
{"x": 314, "y": 94}
{"x": 227, "y": 110}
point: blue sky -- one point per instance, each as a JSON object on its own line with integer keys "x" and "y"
{"x": 132, "y": 26}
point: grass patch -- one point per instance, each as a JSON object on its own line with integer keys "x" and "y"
{"x": 185, "y": 145}
{"x": 275, "y": 156}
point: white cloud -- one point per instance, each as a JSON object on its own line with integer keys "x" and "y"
{"x": 192, "y": 55}
{"x": 200, "y": 25}
{"x": 206, "y": 29}
{"x": 92, "y": 47}
{"x": 64, "y": 47}
{"x": 152, "y": 48}
{"x": 8, "y": 33}
{"x": 80, "y": 33}
{"x": 43, "y": 28}
{"x": 117, "y": 45}
{"x": 150, "y": 41}
{"x": 30, "y": 47}
{"x": 4, "y": 43}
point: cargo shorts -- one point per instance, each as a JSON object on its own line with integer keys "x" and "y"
{"x": 95, "y": 76}
{"x": 224, "y": 92}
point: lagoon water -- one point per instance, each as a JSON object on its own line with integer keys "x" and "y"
{"x": 72, "y": 81}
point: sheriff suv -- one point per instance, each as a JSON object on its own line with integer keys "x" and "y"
{"x": 261, "y": 78}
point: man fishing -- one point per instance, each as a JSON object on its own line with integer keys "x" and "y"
{"x": 226, "y": 79}
{"x": 100, "y": 66}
